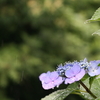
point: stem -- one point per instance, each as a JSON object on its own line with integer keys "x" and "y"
{"x": 76, "y": 93}
{"x": 80, "y": 91}
{"x": 88, "y": 90}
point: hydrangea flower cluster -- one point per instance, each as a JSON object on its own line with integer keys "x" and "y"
{"x": 69, "y": 73}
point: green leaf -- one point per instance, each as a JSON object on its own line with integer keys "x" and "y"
{"x": 85, "y": 77}
{"x": 95, "y": 88}
{"x": 97, "y": 32}
{"x": 95, "y": 17}
{"x": 61, "y": 94}
{"x": 97, "y": 99}
{"x": 91, "y": 81}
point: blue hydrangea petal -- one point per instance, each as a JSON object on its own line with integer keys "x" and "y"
{"x": 98, "y": 71}
{"x": 94, "y": 72}
{"x": 80, "y": 75}
{"x": 94, "y": 69}
{"x": 73, "y": 70}
{"x": 93, "y": 64}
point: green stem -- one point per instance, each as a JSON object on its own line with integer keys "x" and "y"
{"x": 88, "y": 90}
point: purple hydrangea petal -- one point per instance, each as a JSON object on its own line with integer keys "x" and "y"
{"x": 69, "y": 80}
{"x": 66, "y": 81}
{"x": 58, "y": 81}
{"x": 50, "y": 80}
{"x": 53, "y": 75}
{"x": 48, "y": 86}
{"x": 73, "y": 70}
{"x": 41, "y": 77}
{"x": 44, "y": 77}
{"x": 80, "y": 75}
{"x": 98, "y": 61}
{"x": 77, "y": 77}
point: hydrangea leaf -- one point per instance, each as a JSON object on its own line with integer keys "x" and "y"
{"x": 97, "y": 32}
{"x": 97, "y": 99}
{"x": 95, "y": 17}
{"x": 85, "y": 77}
{"x": 91, "y": 81}
{"x": 95, "y": 88}
{"x": 63, "y": 93}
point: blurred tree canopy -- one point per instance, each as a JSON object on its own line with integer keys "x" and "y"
{"x": 36, "y": 36}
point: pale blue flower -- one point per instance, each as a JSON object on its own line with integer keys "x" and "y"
{"x": 94, "y": 68}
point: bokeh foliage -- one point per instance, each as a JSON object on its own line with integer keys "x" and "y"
{"x": 36, "y": 35}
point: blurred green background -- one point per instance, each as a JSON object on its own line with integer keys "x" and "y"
{"x": 38, "y": 35}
